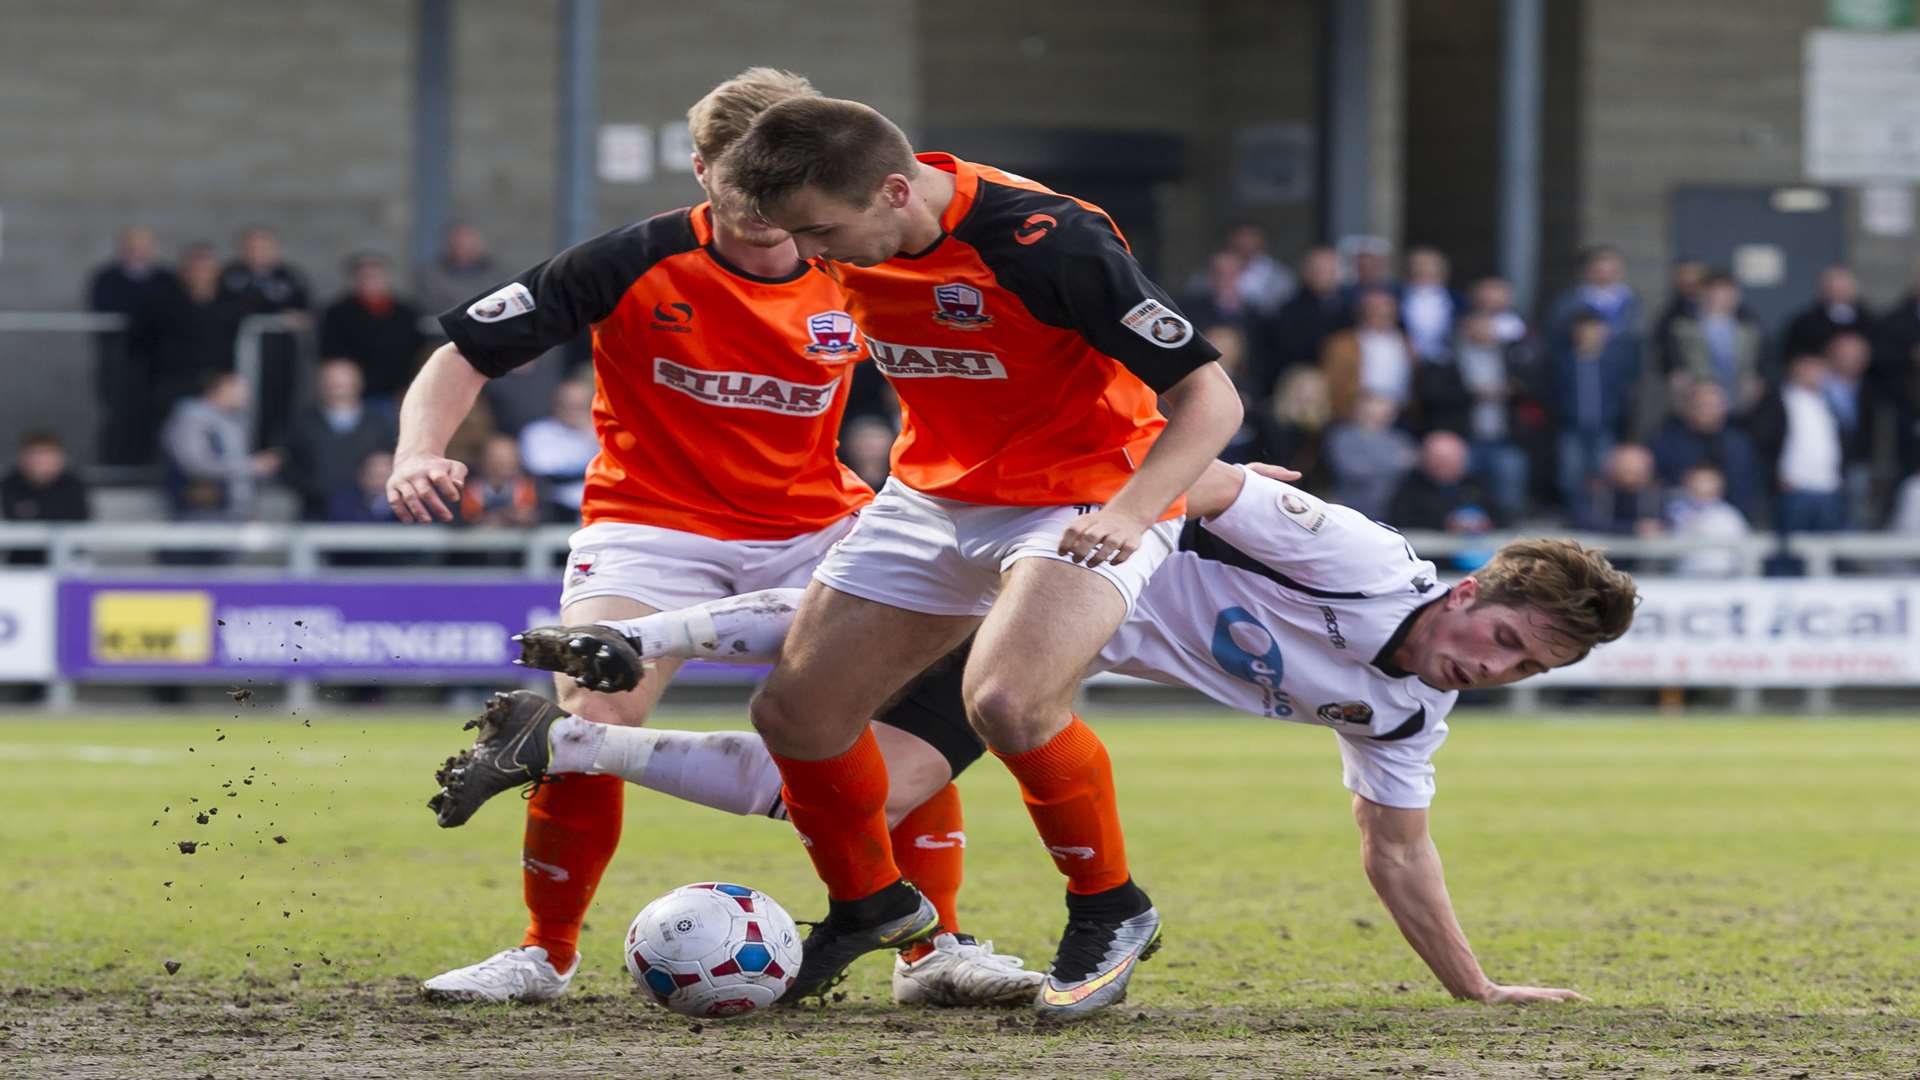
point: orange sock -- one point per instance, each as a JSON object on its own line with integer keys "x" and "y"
{"x": 1067, "y": 783}
{"x": 929, "y": 846}
{"x": 839, "y": 807}
{"x": 572, "y": 828}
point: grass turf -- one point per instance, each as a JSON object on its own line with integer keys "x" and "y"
{"x": 1743, "y": 895}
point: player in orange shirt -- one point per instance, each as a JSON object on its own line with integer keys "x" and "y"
{"x": 723, "y": 363}
{"x": 1035, "y": 488}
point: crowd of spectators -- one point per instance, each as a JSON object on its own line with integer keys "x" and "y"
{"x": 1444, "y": 407}
{"x": 1420, "y": 400}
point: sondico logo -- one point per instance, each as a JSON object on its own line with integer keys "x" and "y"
{"x": 557, "y": 873}
{"x": 745, "y": 390}
{"x": 1060, "y": 851}
{"x": 934, "y": 362}
{"x": 937, "y": 841}
{"x": 1245, "y": 649}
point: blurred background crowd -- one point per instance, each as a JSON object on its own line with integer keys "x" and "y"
{"x": 1425, "y": 401}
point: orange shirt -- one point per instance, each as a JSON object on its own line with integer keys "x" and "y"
{"x": 719, "y": 393}
{"x": 1026, "y": 347}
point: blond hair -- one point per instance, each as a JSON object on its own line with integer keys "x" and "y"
{"x": 717, "y": 120}
{"x": 1575, "y": 586}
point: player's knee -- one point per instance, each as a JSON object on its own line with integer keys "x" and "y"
{"x": 774, "y": 718}
{"x": 1005, "y": 714}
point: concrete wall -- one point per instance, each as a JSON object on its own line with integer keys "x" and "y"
{"x": 1707, "y": 91}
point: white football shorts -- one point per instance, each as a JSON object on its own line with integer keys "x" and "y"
{"x": 669, "y": 569}
{"x": 942, "y": 557}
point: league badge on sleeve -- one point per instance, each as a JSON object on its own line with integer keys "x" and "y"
{"x": 503, "y": 303}
{"x": 1346, "y": 712}
{"x": 1158, "y": 323}
{"x": 1303, "y": 509}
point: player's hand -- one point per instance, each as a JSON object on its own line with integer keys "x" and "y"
{"x": 1274, "y": 472}
{"x": 1529, "y": 995}
{"x": 418, "y": 485}
{"x": 1102, "y": 536}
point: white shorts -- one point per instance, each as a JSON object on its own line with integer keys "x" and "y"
{"x": 669, "y": 569}
{"x": 941, "y": 557}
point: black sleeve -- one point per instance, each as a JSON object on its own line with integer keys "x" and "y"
{"x": 555, "y": 301}
{"x": 1078, "y": 275}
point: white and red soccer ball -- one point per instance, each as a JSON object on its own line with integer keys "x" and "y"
{"x": 714, "y": 950}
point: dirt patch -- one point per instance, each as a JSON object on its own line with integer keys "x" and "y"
{"x": 385, "y": 1029}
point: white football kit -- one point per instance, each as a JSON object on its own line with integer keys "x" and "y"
{"x": 1287, "y": 606}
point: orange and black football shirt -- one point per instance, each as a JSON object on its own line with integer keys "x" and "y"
{"x": 719, "y": 392}
{"x": 1026, "y": 347}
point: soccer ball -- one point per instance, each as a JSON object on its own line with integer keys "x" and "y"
{"x": 714, "y": 949}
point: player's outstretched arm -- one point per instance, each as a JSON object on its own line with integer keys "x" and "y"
{"x": 439, "y": 399}
{"x": 1203, "y": 411}
{"x": 1405, "y": 869}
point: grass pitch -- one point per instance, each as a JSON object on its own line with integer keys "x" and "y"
{"x": 1738, "y": 897}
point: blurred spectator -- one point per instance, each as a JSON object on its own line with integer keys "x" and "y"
{"x": 1808, "y": 456}
{"x": 1683, "y": 302}
{"x": 866, "y": 446}
{"x": 462, "y": 271}
{"x": 1217, "y": 306}
{"x": 1372, "y": 258}
{"x": 1603, "y": 290}
{"x": 1428, "y": 305}
{"x": 331, "y": 439}
{"x": 1493, "y": 297}
{"x": 192, "y": 330}
{"x": 558, "y": 448}
{"x": 1700, "y": 513}
{"x": 375, "y": 329}
{"x": 1700, "y": 434}
{"x": 470, "y": 437}
{"x": 259, "y": 282}
{"x": 1439, "y": 495}
{"x": 1264, "y": 282}
{"x": 131, "y": 286}
{"x": 1291, "y": 429}
{"x": 1896, "y": 371}
{"x": 1593, "y": 374}
{"x": 364, "y": 502}
{"x": 499, "y": 492}
{"x": 1486, "y": 366}
{"x": 211, "y": 474}
{"x": 1906, "y": 508}
{"x": 41, "y": 486}
{"x": 1837, "y": 308}
{"x": 1368, "y": 456}
{"x": 1721, "y": 343}
{"x": 1860, "y": 416}
{"x": 1626, "y": 500}
{"x": 1317, "y": 309}
{"x": 1372, "y": 357}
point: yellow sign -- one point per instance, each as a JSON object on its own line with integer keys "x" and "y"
{"x": 152, "y": 627}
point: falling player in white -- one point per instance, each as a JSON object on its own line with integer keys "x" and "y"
{"x": 1277, "y": 604}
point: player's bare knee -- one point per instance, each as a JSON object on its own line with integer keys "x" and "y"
{"x": 1008, "y": 716}
{"x": 774, "y": 719}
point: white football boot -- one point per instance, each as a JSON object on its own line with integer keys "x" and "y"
{"x": 518, "y": 974}
{"x": 962, "y": 971}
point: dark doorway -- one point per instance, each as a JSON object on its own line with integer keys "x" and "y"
{"x": 1774, "y": 241}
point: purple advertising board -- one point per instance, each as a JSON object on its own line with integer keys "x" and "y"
{"x": 422, "y": 631}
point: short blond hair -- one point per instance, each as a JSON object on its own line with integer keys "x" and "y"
{"x": 1576, "y": 587}
{"x": 724, "y": 115}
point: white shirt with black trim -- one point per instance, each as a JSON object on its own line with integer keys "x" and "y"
{"x": 1287, "y": 606}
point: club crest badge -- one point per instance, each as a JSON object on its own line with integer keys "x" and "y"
{"x": 960, "y": 307}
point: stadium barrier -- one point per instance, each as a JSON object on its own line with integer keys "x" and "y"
{"x": 168, "y": 604}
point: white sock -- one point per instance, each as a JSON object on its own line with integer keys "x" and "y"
{"x": 747, "y": 629}
{"x": 727, "y": 770}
